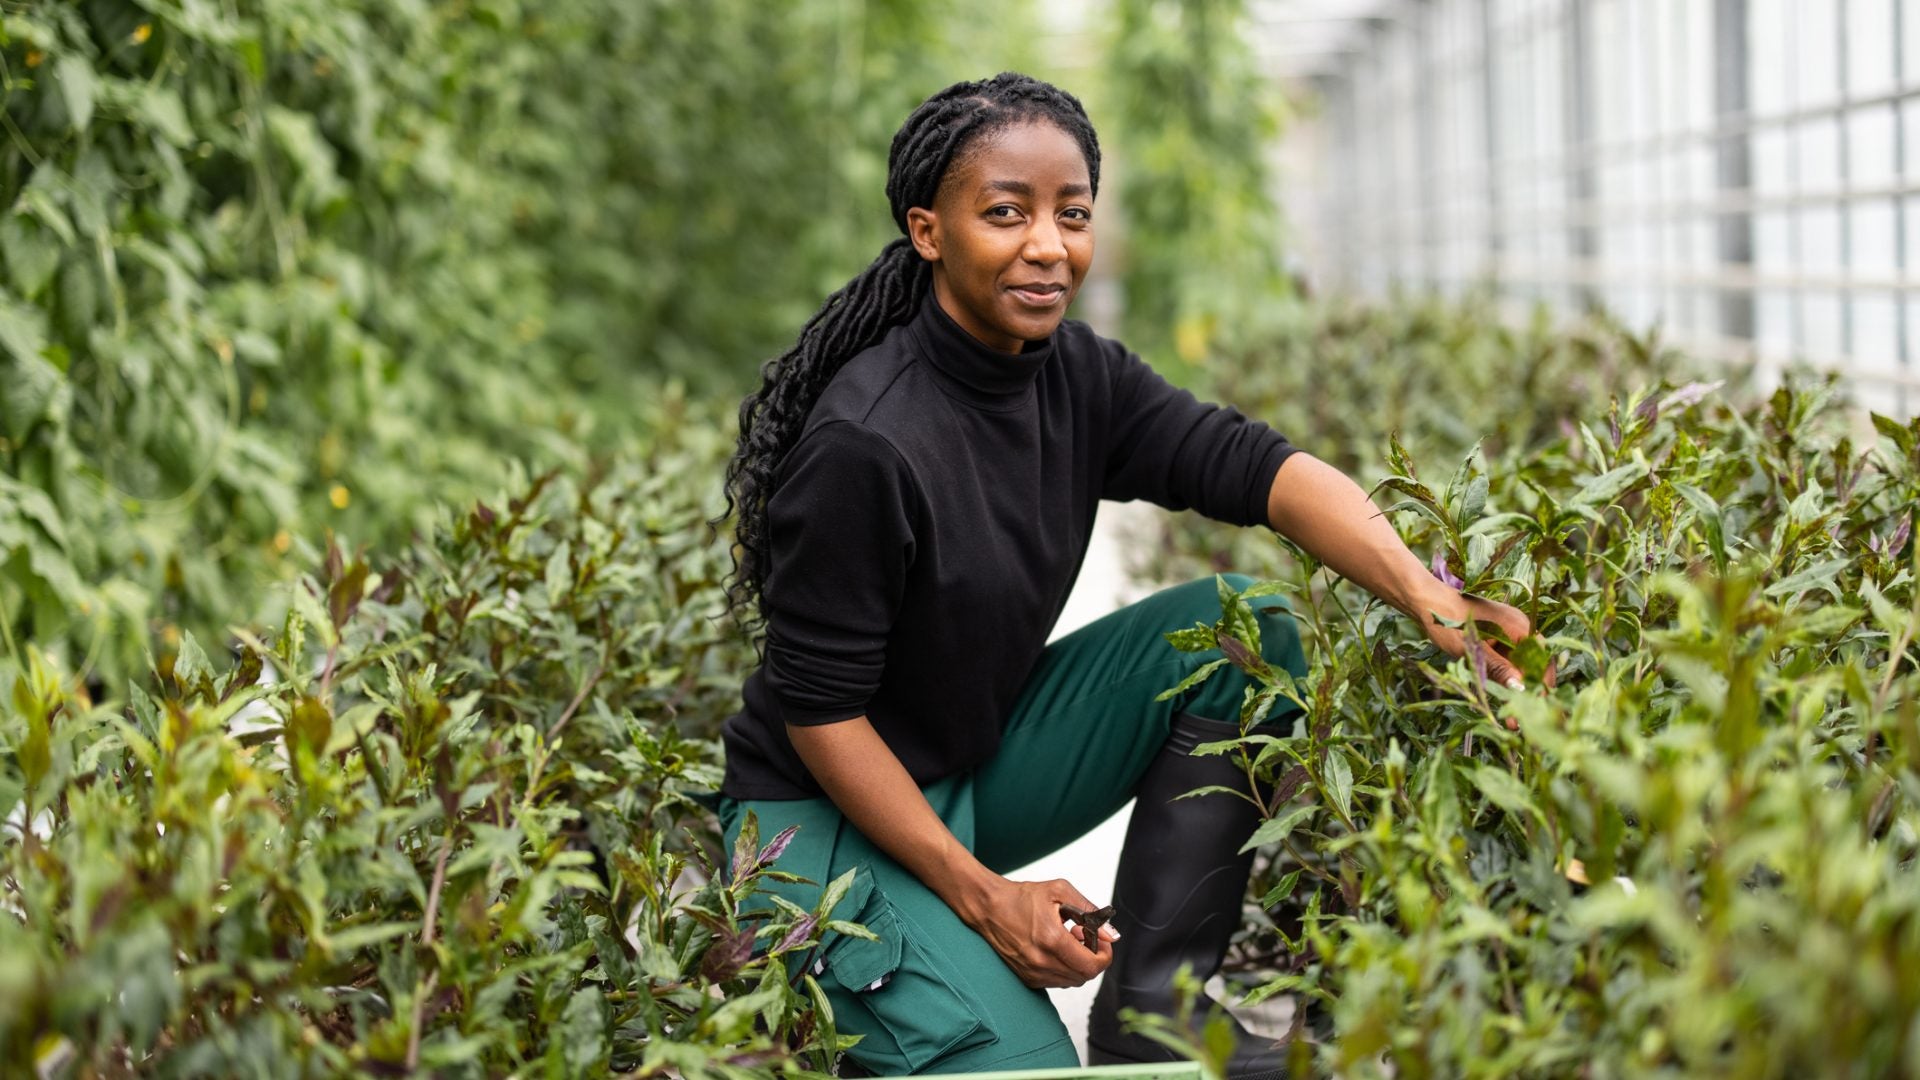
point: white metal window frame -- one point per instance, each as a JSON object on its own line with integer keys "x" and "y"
{"x": 1736, "y": 171}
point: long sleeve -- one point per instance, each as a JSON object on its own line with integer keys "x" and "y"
{"x": 1170, "y": 448}
{"x": 841, "y": 539}
{"x": 926, "y": 531}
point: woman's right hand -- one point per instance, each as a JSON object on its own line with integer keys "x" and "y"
{"x": 1020, "y": 919}
{"x": 1023, "y": 922}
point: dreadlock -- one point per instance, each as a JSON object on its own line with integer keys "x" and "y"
{"x": 884, "y": 295}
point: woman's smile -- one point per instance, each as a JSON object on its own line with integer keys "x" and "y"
{"x": 1042, "y": 296}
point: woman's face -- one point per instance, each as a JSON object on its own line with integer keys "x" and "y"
{"x": 1010, "y": 234}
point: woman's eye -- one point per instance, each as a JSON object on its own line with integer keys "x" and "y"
{"x": 995, "y": 212}
{"x": 1080, "y": 213}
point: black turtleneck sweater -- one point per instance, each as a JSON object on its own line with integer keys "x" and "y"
{"x": 926, "y": 528}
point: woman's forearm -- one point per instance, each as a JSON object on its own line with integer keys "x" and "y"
{"x": 1020, "y": 920}
{"x": 873, "y": 790}
{"x": 1321, "y": 509}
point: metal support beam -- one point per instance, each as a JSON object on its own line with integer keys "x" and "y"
{"x": 1578, "y": 130}
{"x": 1732, "y": 160}
{"x": 1425, "y": 146}
{"x": 1902, "y": 304}
{"x": 1844, "y": 133}
{"x": 1490, "y": 128}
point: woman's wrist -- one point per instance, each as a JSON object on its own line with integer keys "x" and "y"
{"x": 971, "y": 891}
{"x": 1422, "y": 596}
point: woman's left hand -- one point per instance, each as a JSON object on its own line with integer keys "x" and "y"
{"x": 1457, "y": 606}
{"x": 1322, "y": 510}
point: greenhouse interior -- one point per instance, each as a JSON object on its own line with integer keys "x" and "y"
{"x": 648, "y": 539}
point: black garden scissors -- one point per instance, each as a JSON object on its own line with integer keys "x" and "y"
{"x": 1090, "y": 923}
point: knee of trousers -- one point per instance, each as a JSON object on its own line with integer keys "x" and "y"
{"x": 1221, "y": 696}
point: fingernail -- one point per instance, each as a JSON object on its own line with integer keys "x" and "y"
{"x": 1515, "y": 684}
{"x": 1112, "y": 934}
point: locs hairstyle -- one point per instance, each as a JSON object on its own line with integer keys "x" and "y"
{"x": 884, "y": 295}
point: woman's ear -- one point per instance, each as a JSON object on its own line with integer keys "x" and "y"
{"x": 923, "y": 229}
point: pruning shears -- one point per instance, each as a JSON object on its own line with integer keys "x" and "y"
{"x": 1090, "y": 923}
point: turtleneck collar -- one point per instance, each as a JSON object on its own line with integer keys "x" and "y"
{"x": 982, "y": 373}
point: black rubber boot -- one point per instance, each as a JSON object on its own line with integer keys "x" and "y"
{"x": 1177, "y": 899}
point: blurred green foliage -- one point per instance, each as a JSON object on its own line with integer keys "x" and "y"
{"x": 284, "y": 265}
{"x": 1191, "y": 119}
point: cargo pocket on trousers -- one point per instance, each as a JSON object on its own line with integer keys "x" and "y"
{"x": 898, "y": 979}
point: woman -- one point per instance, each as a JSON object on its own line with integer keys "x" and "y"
{"x": 916, "y": 481}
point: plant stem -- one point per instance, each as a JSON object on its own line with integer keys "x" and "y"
{"x": 433, "y": 891}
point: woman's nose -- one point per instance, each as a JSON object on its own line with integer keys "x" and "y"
{"x": 1044, "y": 243}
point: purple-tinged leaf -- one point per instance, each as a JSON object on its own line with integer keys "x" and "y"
{"x": 1288, "y": 786}
{"x": 729, "y": 953}
{"x": 1690, "y": 394}
{"x": 797, "y": 936}
{"x": 1477, "y": 653}
{"x": 778, "y": 845}
{"x": 745, "y": 847}
{"x": 1900, "y": 534}
{"x": 1444, "y": 573}
{"x": 1648, "y": 411}
{"x": 1412, "y": 490}
{"x": 1613, "y": 429}
{"x": 1398, "y": 458}
{"x": 1241, "y": 656}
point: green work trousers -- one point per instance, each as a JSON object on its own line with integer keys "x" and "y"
{"x": 931, "y": 995}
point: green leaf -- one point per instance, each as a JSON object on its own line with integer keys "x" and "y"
{"x": 835, "y": 891}
{"x": 1821, "y": 574}
{"x": 1474, "y": 502}
{"x": 559, "y": 576}
{"x": 1210, "y": 789}
{"x": 1603, "y": 489}
{"x": 1398, "y": 459}
{"x": 1280, "y": 984}
{"x": 33, "y": 386}
{"x": 309, "y": 724}
{"x": 1889, "y": 616}
{"x": 1274, "y": 830}
{"x": 1502, "y": 789}
{"x": 355, "y": 938}
{"x": 23, "y": 334}
{"x": 1893, "y": 429}
{"x": 1198, "y": 676}
{"x": 77, "y": 84}
{"x": 1281, "y": 891}
{"x": 1193, "y": 639}
{"x": 31, "y": 253}
{"x": 1413, "y": 489}
{"x": 160, "y": 107}
{"x": 1339, "y": 783}
{"x": 582, "y": 1032}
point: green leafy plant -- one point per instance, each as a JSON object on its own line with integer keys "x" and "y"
{"x": 439, "y": 821}
{"x": 1696, "y": 854}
